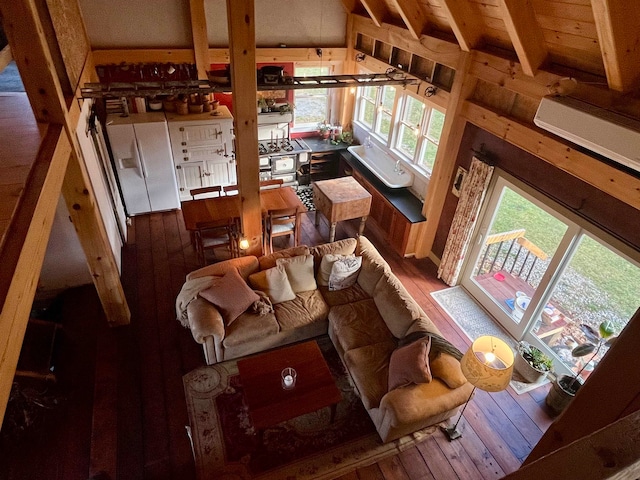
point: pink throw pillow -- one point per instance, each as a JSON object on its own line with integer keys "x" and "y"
{"x": 410, "y": 364}
{"x": 231, "y": 295}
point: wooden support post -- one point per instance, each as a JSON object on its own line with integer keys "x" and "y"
{"x": 200, "y": 39}
{"x": 349, "y": 66}
{"x": 452, "y": 131}
{"x": 242, "y": 43}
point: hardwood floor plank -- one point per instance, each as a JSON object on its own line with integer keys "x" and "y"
{"x": 458, "y": 457}
{"x": 392, "y": 469}
{"x": 370, "y": 472}
{"x": 414, "y": 465}
{"x": 512, "y": 409}
{"x": 480, "y": 455}
{"x": 435, "y": 459}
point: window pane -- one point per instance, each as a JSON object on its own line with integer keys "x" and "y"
{"x": 436, "y": 122}
{"x": 429, "y": 155}
{"x": 388, "y": 97}
{"x": 412, "y": 113}
{"x": 367, "y": 111}
{"x": 310, "y": 110}
{"x": 370, "y": 93}
{"x": 384, "y": 124}
{"x": 407, "y": 141}
{"x": 597, "y": 285}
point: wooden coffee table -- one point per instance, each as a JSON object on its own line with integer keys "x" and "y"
{"x": 268, "y": 403}
{"x": 341, "y": 199}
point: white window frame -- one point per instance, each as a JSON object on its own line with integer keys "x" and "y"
{"x": 311, "y": 127}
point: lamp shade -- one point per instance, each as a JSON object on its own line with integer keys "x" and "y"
{"x": 488, "y": 364}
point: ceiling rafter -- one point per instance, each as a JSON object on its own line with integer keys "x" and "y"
{"x": 525, "y": 33}
{"x": 463, "y": 23}
{"x": 413, "y": 16}
{"x": 376, "y": 9}
{"x": 619, "y": 37}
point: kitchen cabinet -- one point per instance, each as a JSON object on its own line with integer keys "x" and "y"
{"x": 143, "y": 162}
{"x": 202, "y": 146}
{"x": 399, "y": 231}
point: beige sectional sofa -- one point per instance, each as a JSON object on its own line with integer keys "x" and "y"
{"x": 366, "y": 322}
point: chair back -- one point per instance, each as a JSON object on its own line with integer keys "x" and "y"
{"x": 274, "y": 183}
{"x": 230, "y": 189}
{"x": 204, "y": 190}
{"x": 280, "y": 222}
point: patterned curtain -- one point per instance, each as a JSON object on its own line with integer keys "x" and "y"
{"x": 472, "y": 194}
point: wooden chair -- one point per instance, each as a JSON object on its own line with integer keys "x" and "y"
{"x": 201, "y": 191}
{"x": 214, "y": 235}
{"x": 275, "y": 183}
{"x": 281, "y": 222}
{"x": 230, "y": 190}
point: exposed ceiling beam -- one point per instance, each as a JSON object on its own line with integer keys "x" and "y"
{"x": 349, "y": 5}
{"x": 619, "y": 37}
{"x": 461, "y": 19}
{"x": 412, "y": 15}
{"x": 525, "y": 33}
{"x": 200, "y": 39}
{"x": 376, "y": 9}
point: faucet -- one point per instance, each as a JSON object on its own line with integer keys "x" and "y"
{"x": 398, "y": 169}
{"x": 367, "y": 142}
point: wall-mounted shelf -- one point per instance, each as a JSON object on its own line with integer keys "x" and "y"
{"x": 422, "y": 68}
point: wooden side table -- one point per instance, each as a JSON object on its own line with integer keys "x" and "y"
{"x": 341, "y": 199}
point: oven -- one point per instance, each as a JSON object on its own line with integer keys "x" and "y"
{"x": 281, "y": 164}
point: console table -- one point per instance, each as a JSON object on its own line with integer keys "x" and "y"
{"x": 341, "y": 199}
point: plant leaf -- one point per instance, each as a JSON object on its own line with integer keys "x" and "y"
{"x": 590, "y": 332}
{"x": 610, "y": 341}
{"x": 607, "y": 329}
{"x": 583, "y": 349}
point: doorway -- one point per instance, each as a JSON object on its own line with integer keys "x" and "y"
{"x": 547, "y": 276}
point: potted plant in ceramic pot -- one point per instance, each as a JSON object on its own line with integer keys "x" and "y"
{"x": 531, "y": 363}
{"x": 565, "y": 387}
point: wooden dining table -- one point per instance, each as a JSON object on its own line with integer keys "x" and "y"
{"x": 206, "y": 210}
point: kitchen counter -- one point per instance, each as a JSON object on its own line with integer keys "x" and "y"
{"x": 318, "y": 144}
{"x": 401, "y": 198}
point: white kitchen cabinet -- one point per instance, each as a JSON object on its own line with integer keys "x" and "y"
{"x": 144, "y": 163}
{"x": 202, "y": 146}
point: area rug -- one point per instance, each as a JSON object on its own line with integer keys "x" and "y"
{"x": 225, "y": 443}
{"x": 475, "y": 322}
{"x": 305, "y": 193}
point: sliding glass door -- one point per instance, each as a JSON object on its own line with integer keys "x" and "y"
{"x": 543, "y": 275}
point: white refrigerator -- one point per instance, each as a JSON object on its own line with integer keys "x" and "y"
{"x": 144, "y": 162}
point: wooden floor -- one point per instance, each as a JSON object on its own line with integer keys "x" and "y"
{"x": 124, "y": 411}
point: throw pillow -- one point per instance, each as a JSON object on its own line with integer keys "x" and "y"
{"x": 299, "y": 272}
{"x": 344, "y": 273}
{"x": 230, "y": 294}
{"x": 326, "y": 265}
{"x": 274, "y": 283}
{"x": 410, "y": 364}
{"x": 447, "y": 368}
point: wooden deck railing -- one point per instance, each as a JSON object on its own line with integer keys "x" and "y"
{"x": 512, "y": 252}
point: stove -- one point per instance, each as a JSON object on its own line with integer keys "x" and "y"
{"x": 282, "y": 146}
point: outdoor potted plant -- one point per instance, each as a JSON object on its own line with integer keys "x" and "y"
{"x": 532, "y": 363}
{"x": 565, "y": 387}
{"x": 324, "y": 129}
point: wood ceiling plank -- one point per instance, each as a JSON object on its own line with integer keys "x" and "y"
{"x": 376, "y": 9}
{"x": 524, "y": 31}
{"x": 200, "y": 39}
{"x": 464, "y": 24}
{"x": 563, "y": 25}
{"x": 619, "y": 36}
{"x": 582, "y": 13}
{"x": 413, "y": 16}
{"x": 142, "y": 55}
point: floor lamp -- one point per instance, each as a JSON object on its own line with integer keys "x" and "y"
{"x": 487, "y": 365}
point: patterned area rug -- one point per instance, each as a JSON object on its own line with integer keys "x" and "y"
{"x": 305, "y": 193}
{"x": 475, "y": 322}
{"x": 308, "y": 447}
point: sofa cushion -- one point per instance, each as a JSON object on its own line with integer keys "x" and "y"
{"x": 230, "y": 294}
{"x": 274, "y": 283}
{"x": 352, "y": 294}
{"x": 250, "y": 327}
{"x": 306, "y": 308}
{"x": 373, "y": 265}
{"x": 398, "y": 309}
{"x": 410, "y": 364}
{"x": 299, "y": 272}
{"x": 245, "y": 266}
{"x": 358, "y": 324}
{"x": 447, "y": 368}
{"x": 340, "y": 247}
{"x": 269, "y": 261}
{"x": 344, "y": 273}
{"x": 326, "y": 266}
{"x": 369, "y": 366}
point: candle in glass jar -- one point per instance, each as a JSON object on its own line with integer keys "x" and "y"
{"x": 288, "y": 380}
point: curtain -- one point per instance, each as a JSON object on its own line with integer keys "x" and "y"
{"x": 472, "y": 194}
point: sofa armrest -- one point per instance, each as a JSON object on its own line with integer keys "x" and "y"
{"x": 205, "y": 321}
{"x": 245, "y": 265}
